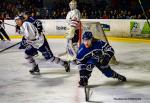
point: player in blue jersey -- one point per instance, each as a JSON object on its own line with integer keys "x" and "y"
{"x": 95, "y": 53}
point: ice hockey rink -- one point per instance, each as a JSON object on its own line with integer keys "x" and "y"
{"x": 54, "y": 85}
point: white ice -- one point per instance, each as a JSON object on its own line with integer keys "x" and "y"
{"x": 54, "y": 85}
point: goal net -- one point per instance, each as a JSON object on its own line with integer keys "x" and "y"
{"x": 98, "y": 33}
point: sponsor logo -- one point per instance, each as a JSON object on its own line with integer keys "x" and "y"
{"x": 139, "y": 29}
{"x": 61, "y": 28}
{"x": 105, "y": 27}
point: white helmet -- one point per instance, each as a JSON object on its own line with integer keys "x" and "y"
{"x": 73, "y": 4}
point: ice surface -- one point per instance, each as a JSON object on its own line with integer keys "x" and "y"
{"x": 56, "y": 86}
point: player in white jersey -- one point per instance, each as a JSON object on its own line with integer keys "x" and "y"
{"x": 72, "y": 32}
{"x": 36, "y": 41}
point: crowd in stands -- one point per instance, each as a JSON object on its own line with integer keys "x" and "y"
{"x": 10, "y": 8}
{"x": 101, "y": 14}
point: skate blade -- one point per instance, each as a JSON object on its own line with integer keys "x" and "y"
{"x": 35, "y": 73}
{"x": 80, "y": 86}
{"x": 68, "y": 70}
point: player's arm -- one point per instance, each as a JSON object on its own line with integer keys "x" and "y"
{"x": 75, "y": 19}
{"x": 26, "y": 29}
{"x": 2, "y": 22}
{"x": 29, "y": 31}
{"x": 108, "y": 52}
{"x": 74, "y": 24}
{"x": 76, "y": 15}
{"x": 39, "y": 26}
{"x": 82, "y": 55}
{"x": 18, "y": 29}
{"x": 32, "y": 35}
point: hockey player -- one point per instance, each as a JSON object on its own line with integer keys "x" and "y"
{"x": 95, "y": 53}
{"x": 2, "y": 30}
{"x": 38, "y": 24}
{"x": 36, "y": 41}
{"x": 72, "y": 32}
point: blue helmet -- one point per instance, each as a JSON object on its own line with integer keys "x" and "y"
{"x": 87, "y": 35}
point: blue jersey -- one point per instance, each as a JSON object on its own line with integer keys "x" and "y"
{"x": 30, "y": 19}
{"x": 36, "y": 23}
{"x": 97, "y": 50}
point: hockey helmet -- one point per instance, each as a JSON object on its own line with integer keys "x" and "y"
{"x": 87, "y": 35}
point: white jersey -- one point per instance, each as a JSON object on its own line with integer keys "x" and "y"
{"x": 73, "y": 18}
{"x": 30, "y": 32}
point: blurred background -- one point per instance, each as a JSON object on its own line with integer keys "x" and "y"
{"x": 90, "y": 9}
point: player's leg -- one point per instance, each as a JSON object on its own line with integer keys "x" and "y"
{"x": 1, "y": 37}
{"x": 5, "y": 34}
{"x": 72, "y": 47}
{"x": 106, "y": 69}
{"x": 108, "y": 72}
{"x": 29, "y": 53}
{"x": 75, "y": 41}
{"x": 71, "y": 50}
{"x": 85, "y": 71}
{"x": 46, "y": 42}
{"x": 48, "y": 55}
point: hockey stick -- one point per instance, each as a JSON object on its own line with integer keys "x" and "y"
{"x": 88, "y": 93}
{"x": 62, "y": 54}
{"x": 9, "y": 24}
{"x": 144, "y": 13}
{"x": 9, "y": 47}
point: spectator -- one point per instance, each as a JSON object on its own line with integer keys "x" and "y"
{"x": 139, "y": 16}
{"x": 129, "y": 15}
{"x": 105, "y": 15}
{"x": 58, "y": 9}
{"x": 7, "y": 16}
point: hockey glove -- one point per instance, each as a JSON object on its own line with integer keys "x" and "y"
{"x": 105, "y": 60}
{"x": 97, "y": 56}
